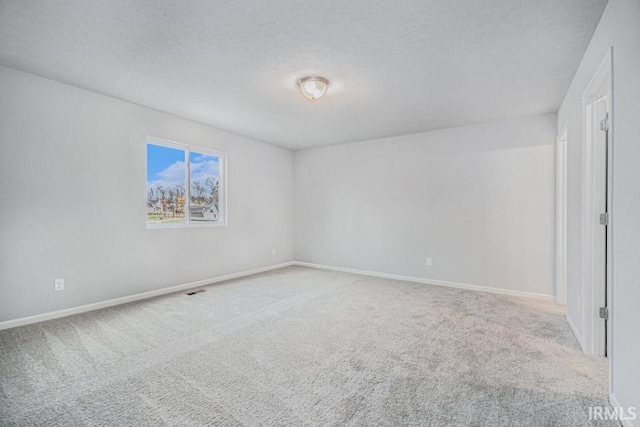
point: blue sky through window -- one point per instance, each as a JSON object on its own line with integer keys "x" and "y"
{"x": 166, "y": 167}
{"x": 203, "y": 166}
{"x": 161, "y": 161}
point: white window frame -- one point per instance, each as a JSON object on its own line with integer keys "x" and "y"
{"x": 222, "y": 195}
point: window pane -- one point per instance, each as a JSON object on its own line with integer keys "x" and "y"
{"x": 205, "y": 187}
{"x": 166, "y": 185}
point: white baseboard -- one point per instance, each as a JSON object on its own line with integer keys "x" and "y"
{"x": 625, "y": 422}
{"x": 130, "y": 298}
{"x": 575, "y": 332}
{"x": 123, "y": 300}
{"x": 431, "y": 281}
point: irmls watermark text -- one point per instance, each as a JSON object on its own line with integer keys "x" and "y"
{"x": 602, "y": 413}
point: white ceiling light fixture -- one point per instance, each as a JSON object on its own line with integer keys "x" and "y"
{"x": 313, "y": 87}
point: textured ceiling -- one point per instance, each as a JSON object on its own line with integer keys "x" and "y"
{"x": 396, "y": 67}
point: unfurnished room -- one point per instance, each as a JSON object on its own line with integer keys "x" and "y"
{"x": 320, "y": 213}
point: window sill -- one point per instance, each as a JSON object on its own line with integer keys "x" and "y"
{"x": 192, "y": 225}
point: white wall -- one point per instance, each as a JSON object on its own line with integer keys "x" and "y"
{"x": 619, "y": 27}
{"x": 72, "y": 200}
{"x": 479, "y": 200}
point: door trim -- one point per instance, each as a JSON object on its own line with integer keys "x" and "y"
{"x": 599, "y": 87}
{"x": 561, "y": 215}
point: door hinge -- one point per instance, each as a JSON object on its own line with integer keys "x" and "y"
{"x": 604, "y": 218}
{"x": 604, "y": 313}
{"x": 604, "y": 123}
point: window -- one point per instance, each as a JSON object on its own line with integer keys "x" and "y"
{"x": 185, "y": 185}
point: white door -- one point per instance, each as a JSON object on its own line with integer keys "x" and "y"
{"x": 597, "y": 312}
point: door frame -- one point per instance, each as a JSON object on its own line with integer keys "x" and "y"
{"x": 561, "y": 215}
{"x": 598, "y": 88}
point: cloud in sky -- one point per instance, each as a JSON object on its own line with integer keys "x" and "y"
{"x": 201, "y": 168}
{"x": 174, "y": 173}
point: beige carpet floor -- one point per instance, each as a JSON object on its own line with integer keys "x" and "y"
{"x": 303, "y": 347}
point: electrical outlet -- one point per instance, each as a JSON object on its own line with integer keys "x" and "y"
{"x": 273, "y": 251}
{"x": 58, "y": 285}
{"x": 429, "y": 262}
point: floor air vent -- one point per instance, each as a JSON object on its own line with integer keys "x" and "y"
{"x": 195, "y": 292}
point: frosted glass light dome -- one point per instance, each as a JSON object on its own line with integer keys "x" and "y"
{"x": 313, "y": 87}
